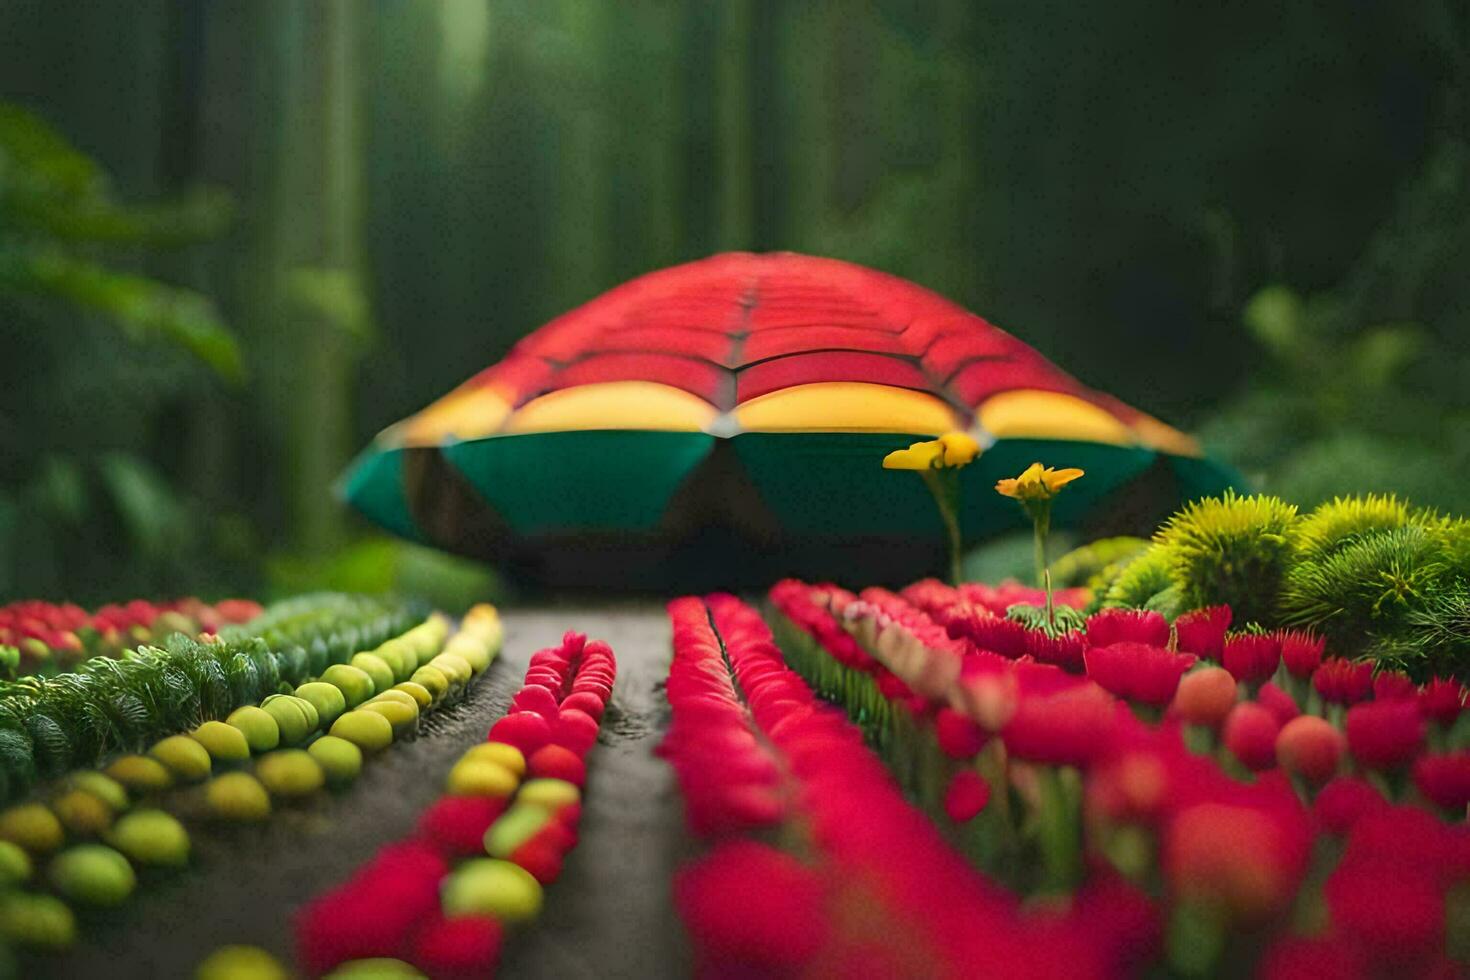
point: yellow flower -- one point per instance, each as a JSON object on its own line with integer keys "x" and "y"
{"x": 919, "y": 456}
{"x": 960, "y": 449}
{"x": 950, "y": 451}
{"x": 1037, "y": 483}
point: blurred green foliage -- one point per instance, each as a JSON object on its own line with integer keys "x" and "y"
{"x": 57, "y": 209}
{"x": 1364, "y": 387}
{"x": 94, "y": 353}
{"x": 1251, "y": 218}
{"x": 378, "y": 565}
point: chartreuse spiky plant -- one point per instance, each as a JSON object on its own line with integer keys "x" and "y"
{"x": 1342, "y": 520}
{"x": 1369, "y": 590}
{"x": 1081, "y": 566}
{"x": 1232, "y": 549}
{"x": 1454, "y": 533}
{"x": 1436, "y": 636}
{"x": 1135, "y": 582}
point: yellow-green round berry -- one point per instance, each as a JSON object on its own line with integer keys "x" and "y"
{"x": 356, "y": 686}
{"x": 224, "y": 743}
{"x": 140, "y": 774}
{"x": 37, "y": 921}
{"x": 91, "y": 874}
{"x": 237, "y": 796}
{"x": 183, "y": 756}
{"x": 32, "y": 826}
{"x": 241, "y": 963}
{"x": 368, "y": 730}
{"x": 326, "y": 698}
{"x": 489, "y": 887}
{"x": 290, "y": 772}
{"x": 260, "y": 729}
{"x": 340, "y": 759}
{"x": 151, "y": 837}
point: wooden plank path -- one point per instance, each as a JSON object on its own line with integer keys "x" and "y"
{"x": 608, "y": 916}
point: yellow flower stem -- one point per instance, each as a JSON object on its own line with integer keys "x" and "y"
{"x": 1041, "y": 523}
{"x": 944, "y": 487}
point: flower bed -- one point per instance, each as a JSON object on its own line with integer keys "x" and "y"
{"x": 818, "y": 865}
{"x": 1263, "y": 800}
{"x": 441, "y": 899}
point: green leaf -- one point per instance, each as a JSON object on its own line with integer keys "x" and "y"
{"x": 1275, "y": 316}
{"x": 1379, "y": 355}
{"x": 146, "y": 310}
{"x": 28, "y": 145}
{"x": 202, "y": 213}
{"x": 335, "y": 296}
{"x": 145, "y": 501}
{"x": 62, "y": 489}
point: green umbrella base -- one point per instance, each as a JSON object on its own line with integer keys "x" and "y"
{"x": 657, "y": 511}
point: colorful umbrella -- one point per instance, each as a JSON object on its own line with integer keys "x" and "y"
{"x": 729, "y": 417}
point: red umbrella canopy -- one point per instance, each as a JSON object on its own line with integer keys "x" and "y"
{"x": 756, "y": 393}
{"x": 783, "y": 342}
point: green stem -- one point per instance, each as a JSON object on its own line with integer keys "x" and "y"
{"x": 1061, "y": 831}
{"x": 944, "y": 486}
{"x": 1041, "y": 524}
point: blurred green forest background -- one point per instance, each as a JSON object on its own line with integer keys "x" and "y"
{"x": 238, "y": 237}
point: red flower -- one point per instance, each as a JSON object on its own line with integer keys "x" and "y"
{"x": 457, "y": 824}
{"x": 1202, "y": 631}
{"x": 1345, "y": 800}
{"x": 1149, "y": 675}
{"x": 1277, "y": 701}
{"x": 1442, "y": 700}
{"x": 999, "y": 635}
{"x": 1301, "y": 651}
{"x": 526, "y": 730}
{"x": 541, "y": 858}
{"x": 1343, "y": 681}
{"x": 749, "y": 904}
{"x": 1445, "y": 780}
{"x": 1385, "y": 735}
{"x": 458, "y": 949}
{"x": 376, "y": 912}
{"x": 1064, "y": 651}
{"x": 575, "y": 730}
{"x": 1251, "y": 658}
{"x": 534, "y": 697}
{"x": 1394, "y": 685}
{"x": 1068, "y": 727}
{"x": 1250, "y": 735}
{"x": 1315, "y": 958}
{"x": 1310, "y": 747}
{"x": 1127, "y": 625}
{"x": 1397, "y": 914}
{"x": 1205, "y": 696}
{"x": 1248, "y": 859}
{"x": 1120, "y": 919}
{"x": 556, "y": 762}
{"x": 966, "y": 796}
{"x": 958, "y": 736}
{"x": 585, "y": 701}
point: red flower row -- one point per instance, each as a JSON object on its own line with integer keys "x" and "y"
{"x": 38, "y": 627}
{"x": 867, "y": 885}
{"x": 482, "y": 853}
